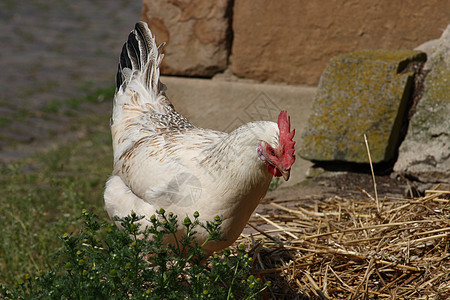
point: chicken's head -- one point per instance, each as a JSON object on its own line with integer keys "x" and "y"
{"x": 280, "y": 159}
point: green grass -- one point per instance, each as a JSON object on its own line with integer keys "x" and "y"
{"x": 42, "y": 196}
{"x": 53, "y": 106}
{"x": 4, "y": 121}
{"x": 100, "y": 95}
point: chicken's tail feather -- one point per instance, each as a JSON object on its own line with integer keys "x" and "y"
{"x": 140, "y": 59}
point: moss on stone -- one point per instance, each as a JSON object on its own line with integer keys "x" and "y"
{"x": 433, "y": 108}
{"x": 360, "y": 92}
{"x": 424, "y": 154}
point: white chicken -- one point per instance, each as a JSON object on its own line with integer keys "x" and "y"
{"x": 161, "y": 160}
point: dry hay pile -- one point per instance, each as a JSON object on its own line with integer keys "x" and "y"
{"x": 353, "y": 249}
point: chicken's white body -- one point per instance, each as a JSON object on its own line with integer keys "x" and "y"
{"x": 161, "y": 160}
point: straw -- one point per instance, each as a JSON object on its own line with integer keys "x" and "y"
{"x": 352, "y": 249}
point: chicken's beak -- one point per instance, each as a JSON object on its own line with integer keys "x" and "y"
{"x": 285, "y": 173}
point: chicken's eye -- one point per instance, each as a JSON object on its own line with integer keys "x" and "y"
{"x": 269, "y": 152}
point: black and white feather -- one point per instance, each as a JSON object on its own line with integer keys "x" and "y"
{"x": 140, "y": 55}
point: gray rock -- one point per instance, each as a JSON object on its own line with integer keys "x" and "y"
{"x": 425, "y": 152}
{"x": 363, "y": 92}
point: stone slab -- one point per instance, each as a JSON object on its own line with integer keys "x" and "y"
{"x": 363, "y": 92}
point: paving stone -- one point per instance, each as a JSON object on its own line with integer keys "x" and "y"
{"x": 56, "y": 51}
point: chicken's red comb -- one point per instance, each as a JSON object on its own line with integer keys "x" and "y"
{"x": 286, "y": 135}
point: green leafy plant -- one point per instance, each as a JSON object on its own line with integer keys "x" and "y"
{"x": 274, "y": 184}
{"x": 104, "y": 262}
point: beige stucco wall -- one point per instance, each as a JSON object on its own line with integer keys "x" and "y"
{"x": 285, "y": 41}
{"x": 292, "y": 40}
